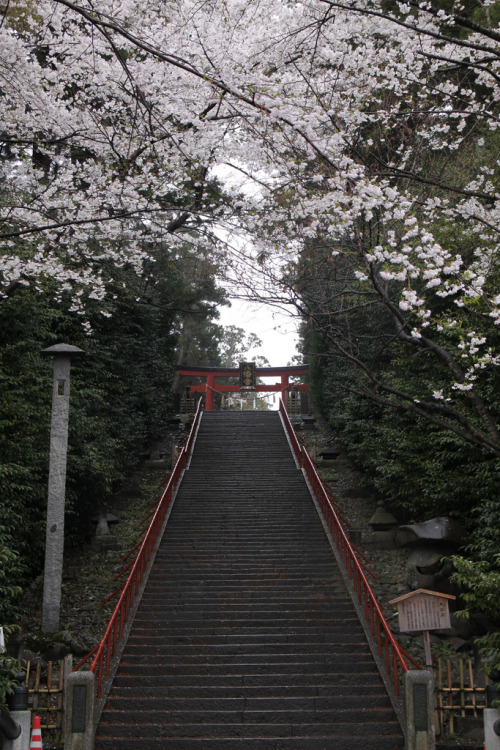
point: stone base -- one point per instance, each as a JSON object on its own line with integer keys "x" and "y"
{"x": 23, "y": 742}
{"x": 381, "y": 539}
{"x": 105, "y": 542}
{"x": 155, "y": 463}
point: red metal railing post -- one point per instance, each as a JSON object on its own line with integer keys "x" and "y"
{"x": 99, "y": 678}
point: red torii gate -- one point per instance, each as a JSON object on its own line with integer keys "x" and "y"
{"x": 211, "y": 373}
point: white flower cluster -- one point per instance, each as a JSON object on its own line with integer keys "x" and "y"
{"x": 339, "y": 125}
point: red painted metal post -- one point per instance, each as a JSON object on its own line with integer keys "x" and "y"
{"x": 209, "y": 402}
{"x": 99, "y": 678}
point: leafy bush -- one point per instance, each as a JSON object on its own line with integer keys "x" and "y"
{"x": 479, "y": 582}
{"x": 11, "y": 577}
{"x": 10, "y": 669}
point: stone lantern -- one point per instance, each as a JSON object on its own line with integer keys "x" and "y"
{"x": 383, "y": 525}
{"x": 54, "y": 546}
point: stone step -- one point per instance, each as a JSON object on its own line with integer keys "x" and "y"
{"x": 239, "y": 615}
{"x": 145, "y": 730}
{"x": 158, "y": 702}
{"x": 326, "y": 681}
{"x": 313, "y": 660}
{"x": 240, "y": 598}
{"x": 298, "y": 609}
{"x": 227, "y": 651}
{"x": 237, "y": 582}
{"x": 251, "y": 668}
{"x": 264, "y": 693}
{"x": 339, "y": 740}
{"x": 173, "y": 718}
{"x": 180, "y": 627}
{"x": 236, "y": 640}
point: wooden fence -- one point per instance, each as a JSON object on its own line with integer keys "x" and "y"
{"x": 461, "y": 691}
{"x": 45, "y": 681}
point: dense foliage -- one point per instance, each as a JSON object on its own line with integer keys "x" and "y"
{"x": 423, "y": 466}
{"x": 121, "y": 401}
{"x": 423, "y": 470}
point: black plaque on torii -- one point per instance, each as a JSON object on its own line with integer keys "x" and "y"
{"x": 248, "y": 377}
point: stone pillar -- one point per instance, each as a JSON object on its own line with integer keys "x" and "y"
{"x": 79, "y": 710}
{"x": 54, "y": 544}
{"x": 419, "y": 710}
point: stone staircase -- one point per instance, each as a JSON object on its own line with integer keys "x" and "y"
{"x": 245, "y": 638}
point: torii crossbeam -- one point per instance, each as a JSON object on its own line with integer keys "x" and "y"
{"x": 210, "y": 386}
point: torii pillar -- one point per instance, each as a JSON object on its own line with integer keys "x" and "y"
{"x": 209, "y": 398}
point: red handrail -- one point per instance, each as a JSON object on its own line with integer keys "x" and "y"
{"x": 379, "y": 627}
{"x": 294, "y": 441}
{"x": 106, "y": 649}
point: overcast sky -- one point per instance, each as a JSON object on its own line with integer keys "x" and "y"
{"x": 277, "y": 331}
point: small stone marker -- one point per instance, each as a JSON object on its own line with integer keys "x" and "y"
{"x": 79, "y": 711}
{"x": 419, "y": 710}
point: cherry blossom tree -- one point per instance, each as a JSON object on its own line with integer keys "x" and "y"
{"x": 393, "y": 169}
{"x": 101, "y": 144}
{"x": 369, "y": 127}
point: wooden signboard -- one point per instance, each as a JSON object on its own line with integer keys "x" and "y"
{"x": 248, "y": 380}
{"x": 423, "y": 610}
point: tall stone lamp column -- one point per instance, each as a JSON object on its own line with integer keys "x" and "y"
{"x": 54, "y": 545}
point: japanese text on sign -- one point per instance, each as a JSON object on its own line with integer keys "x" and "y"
{"x": 423, "y": 613}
